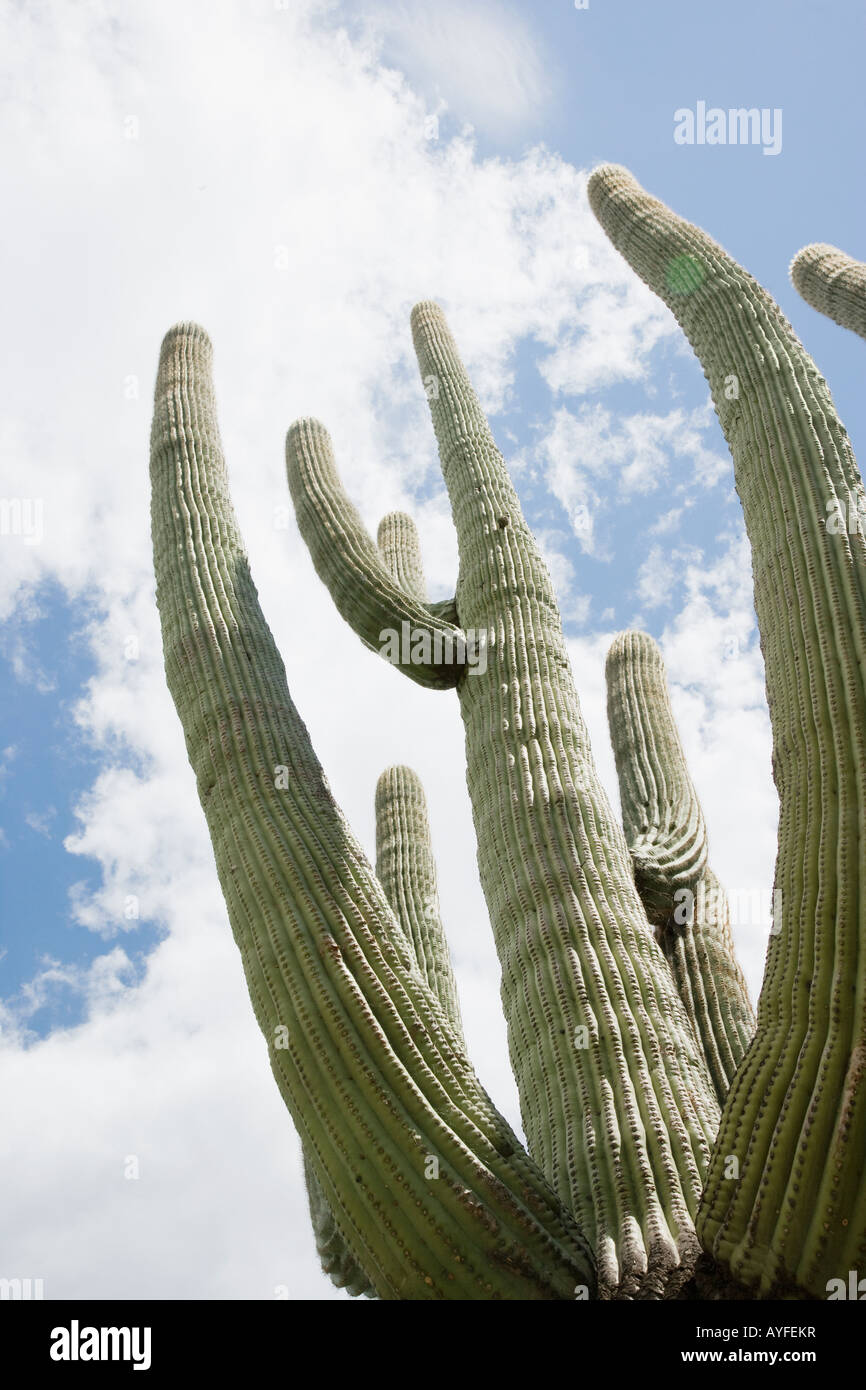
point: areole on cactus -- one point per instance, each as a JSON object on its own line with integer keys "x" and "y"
{"x": 628, "y": 1028}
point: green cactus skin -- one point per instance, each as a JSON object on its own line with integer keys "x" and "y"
{"x": 400, "y": 549}
{"x": 371, "y": 1071}
{"x": 666, "y": 833}
{"x": 616, "y": 1100}
{"x": 795, "y": 1117}
{"x": 406, "y": 869}
{"x": 833, "y": 283}
{"x": 335, "y": 1257}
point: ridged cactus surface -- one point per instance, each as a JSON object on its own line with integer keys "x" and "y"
{"x": 794, "y": 1122}
{"x": 406, "y": 870}
{"x": 666, "y": 833}
{"x": 622, "y": 1047}
{"x": 833, "y": 283}
{"x": 616, "y": 1101}
{"x": 431, "y": 1189}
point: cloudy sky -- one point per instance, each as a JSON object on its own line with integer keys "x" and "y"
{"x": 294, "y": 175}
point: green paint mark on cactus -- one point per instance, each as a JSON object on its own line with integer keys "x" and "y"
{"x": 684, "y": 275}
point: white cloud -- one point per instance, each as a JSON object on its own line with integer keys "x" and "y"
{"x": 661, "y": 572}
{"x": 590, "y": 461}
{"x": 482, "y": 63}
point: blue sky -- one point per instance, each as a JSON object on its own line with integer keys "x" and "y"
{"x": 279, "y": 175}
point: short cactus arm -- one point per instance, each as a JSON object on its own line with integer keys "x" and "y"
{"x": 833, "y": 283}
{"x": 389, "y": 618}
{"x": 662, "y": 817}
{"x": 406, "y": 869}
{"x": 795, "y": 1117}
{"x": 400, "y": 547}
{"x": 665, "y": 830}
{"x": 429, "y": 1186}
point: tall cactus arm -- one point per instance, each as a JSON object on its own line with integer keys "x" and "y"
{"x": 428, "y": 1184}
{"x": 794, "y": 1123}
{"x": 400, "y": 547}
{"x": 389, "y": 618}
{"x": 406, "y": 869}
{"x": 407, "y": 872}
{"x": 665, "y": 830}
{"x": 616, "y": 1102}
{"x": 833, "y": 283}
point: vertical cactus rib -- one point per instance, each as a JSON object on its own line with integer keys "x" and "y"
{"x": 666, "y": 834}
{"x": 335, "y": 1257}
{"x": 389, "y": 618}
{"x": 833, "y": 283}
{"x": 428, "y": 1185}
{"x": 615, "y": 1098}
{"x": 795, "y": 1117}
{"x": 406, "y": 869}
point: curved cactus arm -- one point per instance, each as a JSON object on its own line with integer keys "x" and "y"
{"x": 615, "y": 1098}
{"x": 833, "y": 283}
{"x": 665, "y": 830}
{"x": 794, "y": 1123}
{"x": 428, "y": 1184}
{"x": 406, "y": 869}
{"x": 389, "y": 619}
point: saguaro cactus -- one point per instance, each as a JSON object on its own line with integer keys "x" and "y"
{"x": 590, "y": 1006}
{"x": 349, "y": 973}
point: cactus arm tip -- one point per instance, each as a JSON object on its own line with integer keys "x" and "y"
{"x": 832, "y": 282}
{"x": 389, "y": 619}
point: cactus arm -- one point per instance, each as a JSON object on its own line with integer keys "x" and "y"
{"x": 662, "y": 817}
{"x": 665, "y": 830}
{"x": 407, "y": 872}
{"x": 375, "y": 1080}
{"x": 616, "y": 1101}
{"x": 406, "y": 869}
{"x": 711, "y": 984}
{"x": 400, "y": 547}
{"x": 389, "y": 619}
{"x": 833, "y": 283}
{"x": 795, "y": 1117}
